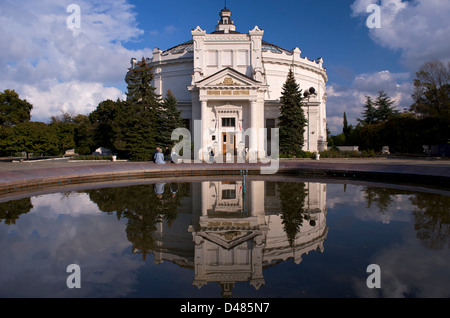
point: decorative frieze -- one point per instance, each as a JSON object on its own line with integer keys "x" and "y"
{"x": 228, "y": 93}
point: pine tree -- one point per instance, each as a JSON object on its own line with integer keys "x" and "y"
{"x": 292, "y": 120}
{"x": 140, "y": 117}
{"x": 169, "y": 119}
{"x": 384, "y": 107}
{"x": 369, "y": 112}
{"x": 346, "y": 130}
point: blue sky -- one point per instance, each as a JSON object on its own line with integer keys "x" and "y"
{"x": 58, "y": 69}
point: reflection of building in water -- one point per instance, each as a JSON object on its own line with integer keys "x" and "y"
{"x": 237, "y": 232}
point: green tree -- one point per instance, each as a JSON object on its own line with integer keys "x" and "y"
{"x": 432, "y": 91}
{"x": 384, "y": 107}
{"x": 135, "y": 131}
{"x": 169, "y": 119}
{"x": 13, "y": 110}
{"x": 30, "y": 137}
{"x": 64, "y": 129}
{"x": 105, "y": 123}
{"x": 347, "y": 131}
{"x": 138, "y": 123}
{"x": 83, "y": 135}
{"x": 292, "y": 120}
{"x": 369, "y": 114}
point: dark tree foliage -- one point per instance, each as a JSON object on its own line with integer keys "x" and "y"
{"x": 379, "y": 197}
{"x": 139, "y": 121}
{"x": 432, "y": 220}
{"x": 347, "y": 129}
{"x": 136, "y": 131}
{"x": 105, "y": 123}
{"x": 11, "y": 211}
{"x": 64, "y": 129}
{"x": 143, "y": 208}
{"x": 169, "y": 119}
{"x": 384, "y": 107}
{"x": 369, "y": 113}
{"x": 292, "y": 197}
{"x": 30, "y": 137}
{"x": 431, "y": 214}
{"x": 13, "y": 110}
{"x": 83, "y": 135}
{"x": 432, "y": 91}
{"x": 292, "y": 120}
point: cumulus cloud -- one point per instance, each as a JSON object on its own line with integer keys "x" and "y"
{"x": 423, "y": 275}
{"x": 351, "y": 99}
{"x": 419, "y": 29}
{"x": 57, "y": 68}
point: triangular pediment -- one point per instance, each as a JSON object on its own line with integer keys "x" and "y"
{"x": 229, "y": 239}
{"x": 228, "y": 77}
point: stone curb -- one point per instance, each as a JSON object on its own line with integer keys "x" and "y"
{"x": 40, "y": 177}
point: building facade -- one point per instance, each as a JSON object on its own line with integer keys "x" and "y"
{"x": 228, "y": 86}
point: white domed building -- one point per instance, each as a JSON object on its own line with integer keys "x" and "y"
{"x": 227, "y": 82}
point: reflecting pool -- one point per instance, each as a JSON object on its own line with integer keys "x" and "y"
{"x": 271, "y": 238}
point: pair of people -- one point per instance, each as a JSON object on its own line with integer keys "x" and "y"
{"x": 161, "y": 159}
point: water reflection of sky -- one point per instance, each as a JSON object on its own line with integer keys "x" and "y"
{"x": 63, "y": 229}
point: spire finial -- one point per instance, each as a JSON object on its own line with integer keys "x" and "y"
{"x": 225, "y": 4}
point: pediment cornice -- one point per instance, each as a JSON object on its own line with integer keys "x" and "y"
{"x": 230, "y": 79}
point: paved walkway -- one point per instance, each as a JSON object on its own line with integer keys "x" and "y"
{"x": 23, "y": 175}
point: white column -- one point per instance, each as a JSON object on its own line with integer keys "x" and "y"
{"x": 205, "y": 196}
{"x": 254, "y": 129}
{"x": 205, "y": 133}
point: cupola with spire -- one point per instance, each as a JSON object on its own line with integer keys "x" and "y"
{"x": 225, "y": 25}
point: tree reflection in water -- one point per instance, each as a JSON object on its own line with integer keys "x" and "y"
{"x": 431, "y": 213}
{"x": 11, "y": 211}
{"x": 144, "y": 207}
{"x": 292, "y": 197}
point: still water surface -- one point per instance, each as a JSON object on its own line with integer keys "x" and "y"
{"x": 228, "y": 238}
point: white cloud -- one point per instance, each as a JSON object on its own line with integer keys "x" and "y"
{"x": 424, "y": 275}
{"x": 398, "y": 86}
{"x": 35, "y": 253}
{"x": 72, "y": 97}
{"x": 419, "y": 29}
{"x": 55, "y": 68}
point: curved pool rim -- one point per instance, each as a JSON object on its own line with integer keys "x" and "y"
{"x": 38, "y": 176}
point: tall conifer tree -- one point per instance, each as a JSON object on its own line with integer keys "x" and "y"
{"x": 169, "y": 119}
{"x": 368, "y": 113}
{"x": 139, "y": 120}
{"x": 292, "y": 120}
{"x": 384, "y": 107}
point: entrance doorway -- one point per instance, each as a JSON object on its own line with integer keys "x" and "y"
{"x": 228, "y": 143}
